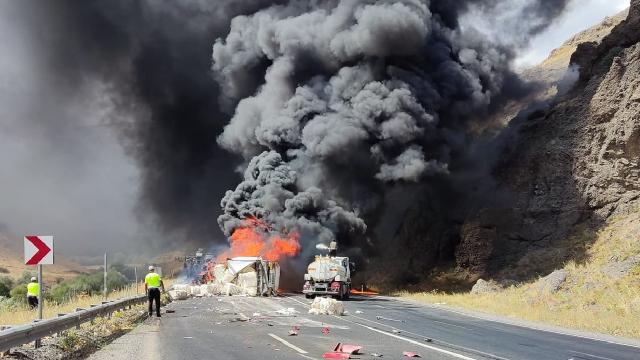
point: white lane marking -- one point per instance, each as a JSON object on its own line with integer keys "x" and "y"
{"x": 493, "y": 356}
{"x": 285, "y": 342}
{"x": 590, "y": 355}
{"x": 450, "y": 353}
{"x": 531, "y": 326}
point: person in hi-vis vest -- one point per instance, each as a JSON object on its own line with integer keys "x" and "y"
{"x": 152, "y": 285}
{"x": 32, "y": 293}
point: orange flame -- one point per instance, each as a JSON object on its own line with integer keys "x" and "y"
{"x": 254, "y": 238}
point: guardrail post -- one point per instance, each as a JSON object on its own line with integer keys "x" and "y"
{"x": 38, "y": 342}
{"x": 92, "y": 305}
{"x": 78, "y": 324}
{"x": 108, "y": 312}
{"x": 58, "y": 334}
{"x": 8, "y": 352}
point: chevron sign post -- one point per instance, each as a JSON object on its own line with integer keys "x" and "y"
{"x": 38, "y": 250}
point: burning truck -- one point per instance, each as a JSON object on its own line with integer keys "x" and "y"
{"x": 328, "y": 275}
{"x": 252, "y": 276}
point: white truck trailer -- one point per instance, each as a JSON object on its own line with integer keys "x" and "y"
{"x": 328, "y": 275}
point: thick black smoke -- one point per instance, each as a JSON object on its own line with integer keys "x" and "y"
{"x": 269, "y": 193}
{"x": 363, "y": 98}
{"x": 154, "y": 60}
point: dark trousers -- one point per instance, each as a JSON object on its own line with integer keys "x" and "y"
{"x": 33, "y": 301}
{"x": 154, "y": 295}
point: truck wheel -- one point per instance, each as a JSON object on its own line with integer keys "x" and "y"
{"x": 347, "y": 293}
{"x": 309, "y": 296}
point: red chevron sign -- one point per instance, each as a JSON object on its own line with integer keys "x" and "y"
{"x": 38, "y": 250}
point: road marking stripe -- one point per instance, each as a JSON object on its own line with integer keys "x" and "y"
{"x": 591, "y": 355}
{"x": 288, "y": 344}
{"x": 541, "y": 328}
{"x": 492, "y": 356}
{"x": 450, "y": 353}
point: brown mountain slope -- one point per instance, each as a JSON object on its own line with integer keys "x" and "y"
{"x": 573, "y": 166}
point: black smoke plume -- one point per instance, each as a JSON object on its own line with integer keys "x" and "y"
{"x": 368, "y": 102}
{"x": 372, "y": 101}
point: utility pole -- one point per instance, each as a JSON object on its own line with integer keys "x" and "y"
{"x": 105, "y": 276}
{"x": 135, "y": 272}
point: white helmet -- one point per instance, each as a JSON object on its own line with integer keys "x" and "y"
{"x": 33, "y": 279}
{"x": 151, "y": 268}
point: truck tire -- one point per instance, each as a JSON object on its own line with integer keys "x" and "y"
{"x": 347, "y": 293}
{"x": 309, "y": 296}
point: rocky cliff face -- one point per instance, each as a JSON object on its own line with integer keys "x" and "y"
{"x": 576, "y": 163}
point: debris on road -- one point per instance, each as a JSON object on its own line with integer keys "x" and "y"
{"x": 294, "y": 331}
{"x": 336, "y": 355}
{"x": 348, "y": 348}
{"x": 170, "y": 311}
{"x": 428, "y": 340}
{"x": 376, "y": 355}
{"x": 287, "y": 312}
{"x": 396, "y": 331}
{"x": 326, "y": 306}
{"x": 410, "y": 354}
{"x": 325, "y": 330}
{"x": 359, "y": 312}
{"x": 388, "y": 319}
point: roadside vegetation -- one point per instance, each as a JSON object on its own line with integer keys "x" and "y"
{"x": 63, "y": 296}
{"x": 601, "y": 292}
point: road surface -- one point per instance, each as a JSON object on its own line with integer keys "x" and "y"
{"x": 258, "y": 328}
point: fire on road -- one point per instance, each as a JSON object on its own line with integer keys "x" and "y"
{"x": 262, "y": 328}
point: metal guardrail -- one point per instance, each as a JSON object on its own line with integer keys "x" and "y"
{"x": 23, "y": 334}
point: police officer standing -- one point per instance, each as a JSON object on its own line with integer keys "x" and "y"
{"x": 152, "y": 285}
{"x": 32, "y": 293}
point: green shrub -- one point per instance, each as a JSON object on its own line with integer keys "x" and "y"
{"x": 91, "y": 284}
{"x": 6, "y": 284}
{"x": 19, "y": 293}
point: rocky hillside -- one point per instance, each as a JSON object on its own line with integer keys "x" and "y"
{"x": 571, "y": 166}
{"x": 553, "y": 67}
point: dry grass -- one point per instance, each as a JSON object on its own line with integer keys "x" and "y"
{"x": 589, "y": 300}
{"x": 25, "y": 315}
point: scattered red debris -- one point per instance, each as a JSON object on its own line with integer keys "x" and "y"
{"x": 410, "y": 354}
{"x": 294, "y": 330}
{"x": 325, "y": 330}
{"x": 336, "y": 355}
{"x": 348, "y": 348}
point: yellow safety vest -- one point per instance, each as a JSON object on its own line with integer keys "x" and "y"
{"x": 32, "y": 289}
{"x": 152, "y": 280}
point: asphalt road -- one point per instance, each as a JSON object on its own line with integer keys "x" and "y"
{"x": 258, "y": 328}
